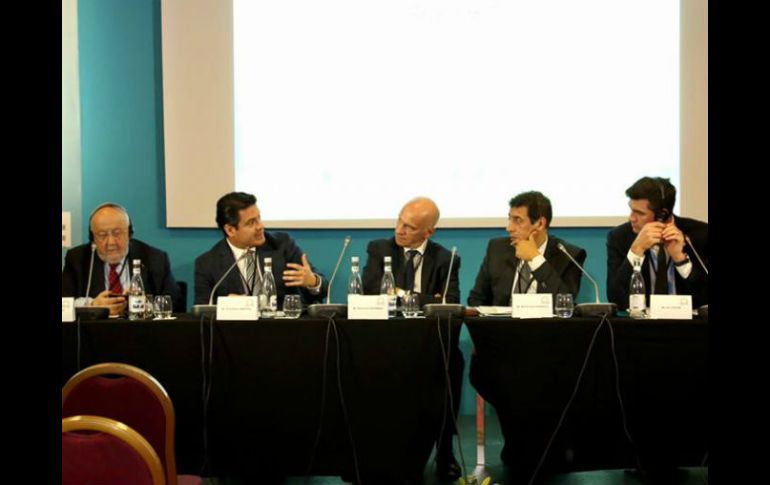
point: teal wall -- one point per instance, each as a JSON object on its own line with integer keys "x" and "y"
{"x": 122, "y": 157}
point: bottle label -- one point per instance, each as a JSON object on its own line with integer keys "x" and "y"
{"x": 136, "y": 303}
{"x": 636, "y": 305}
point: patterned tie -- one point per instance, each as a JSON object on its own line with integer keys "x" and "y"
{"x": 410, "y": 269}
{"x": 251, "y": 270}
{"x": 114, "y": 279}
{"x": 661, "y": 274}
{"x": 525, "y": 278}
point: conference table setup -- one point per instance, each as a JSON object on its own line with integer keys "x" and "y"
{"x": 265, "y": 397}
{"x": 530, "y": 370}
{"x": 321, "y": 396}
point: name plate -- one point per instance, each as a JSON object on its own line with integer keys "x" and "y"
{"x": 68, "y": 309}
{"x": 532, "y": 305}
{"x": 237, "y": 308}
{"x": 675, "y": 307}
{"x": 367, "y": 307}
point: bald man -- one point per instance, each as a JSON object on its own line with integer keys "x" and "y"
{"x": 411, "y": 245}
{"x": 110, "y": 233}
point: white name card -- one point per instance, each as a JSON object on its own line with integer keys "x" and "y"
{"x": 68, "y": 309}
{"x": 677, "y": 307}
{"x": 237, "y": 308}
{"x": 532, "y": 305}
{"x": 367, "y": 307}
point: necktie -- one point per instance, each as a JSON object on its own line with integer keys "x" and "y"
{"x": 251, "y": 272}
{"x": 525, "y": 278}
{"x": 114, "y": 279}
{"x": 410, "y": 270}
{"x": 661, "y": 274}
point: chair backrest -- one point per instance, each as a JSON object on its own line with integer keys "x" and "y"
{"x": 130, "y": 395}
{"x": 95, "y": 449}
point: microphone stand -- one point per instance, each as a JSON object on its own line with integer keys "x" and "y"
{"x": 445, "y": 309}
{"x": 597, "y": 309}
{"x": 329, "y": 309}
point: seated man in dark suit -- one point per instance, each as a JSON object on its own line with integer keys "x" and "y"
{"x": 422, "y": 266}
{"x": 527, "y": 261}
{"x": 110, "y": 233}
{"x": 652, "y": 225}
{"x": 241, "y": 223}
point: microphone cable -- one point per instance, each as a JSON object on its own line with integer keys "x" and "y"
{"x": 445, "y": 355}
{"x": 323, "y": 399}
{"x": 342, "y": 401}
{"x": 569, "y": 402}
{"x": 620, "y": 398}
{"x": 703, "y": 469}
{"x": 206, "y": 384}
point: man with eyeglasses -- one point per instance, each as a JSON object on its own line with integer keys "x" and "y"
{"x": 108, "y": 258}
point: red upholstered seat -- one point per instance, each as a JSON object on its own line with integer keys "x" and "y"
{"x": 101, "y": 450}
{"x": 132, "y": 396}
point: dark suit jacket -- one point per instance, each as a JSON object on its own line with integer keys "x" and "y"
{"x": 156, "y": 272}
{"x": 435, "y": 266}
{"x": 619, "y": 270}
{"x": 495, "y": 278}
{"x": 211, "y": 265}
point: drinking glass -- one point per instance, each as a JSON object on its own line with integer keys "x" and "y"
{"x": 292, "y": 306}
{"x": 564, "y": 305}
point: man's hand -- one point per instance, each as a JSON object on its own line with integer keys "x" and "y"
{"x": 526, "y": 249}
{"x": 650, "y": 235}
{"x": 116, "y": 304}
{"x": 300, "y": 274}
{"x": 673, "y": 242}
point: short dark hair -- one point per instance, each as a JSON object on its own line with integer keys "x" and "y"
{"x": 229, "y": 205}
{"x": 537, "y": 204}
{"x": 659, "y": 191}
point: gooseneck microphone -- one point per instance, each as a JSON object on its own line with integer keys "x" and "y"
{"x": 90, "y": 273}
{"x": 703, "y": 310}
{"x": 695, "y": 251}
{"x": 211, "y": 308}
{"x": 329, "y": 309}
{"x": 597, "y": 309}
{"x": 444, "y": 308}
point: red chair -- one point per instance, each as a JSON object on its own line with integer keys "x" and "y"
{"x": 131, "y": 396}
{"x": 102, "y": 450}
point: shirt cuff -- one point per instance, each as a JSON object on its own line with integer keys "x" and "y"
{"x": 685, "y": 269}
{"x": 536, "y": 262}
{"x": 83, "y": 301}
{"x": 634, "y": 259}
{"x": 314, "y": 290}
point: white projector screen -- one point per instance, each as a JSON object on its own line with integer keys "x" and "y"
{"x": 344, "y": 109}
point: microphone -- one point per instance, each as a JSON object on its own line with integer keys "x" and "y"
{"x": 597, "y": 309}
{"x": 687, "y": 238}
{"x": 329, "y": 309}
{"x": 90, "y": 272}
{"x": 211, "y": 308}
{"x": 445, "y": 309}
{"x": 703, "y": 310}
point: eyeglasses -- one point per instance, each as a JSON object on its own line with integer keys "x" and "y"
{"x": 115, "y": 233}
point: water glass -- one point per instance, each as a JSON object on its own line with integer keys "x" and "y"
{"x": 292, "y": 306}
{"x": 564, "y": 305}
{"x": 149, "y": 311}
{"x": 163, "y": 307}
{"x": 411, "y": 302}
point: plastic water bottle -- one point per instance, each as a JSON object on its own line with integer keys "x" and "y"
{"x": 636, "y": 291}
{"x": 355, "y": 285}
{"x": 137, "y": 300}
{"x": 268, "y": 296}
{"x": 388, "y": 287}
